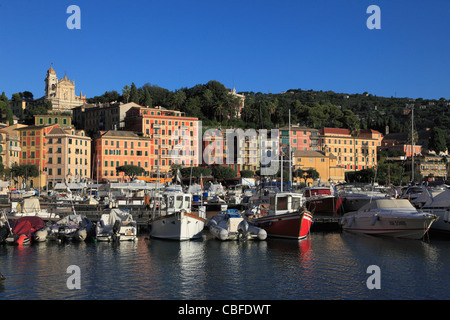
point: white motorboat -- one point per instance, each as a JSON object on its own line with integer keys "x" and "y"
{"x": 116, "y": 225}
{"x": 439, "y": 205}
{"x": 389, "y": 217}
{"x": 174, "y": 219}
{"x": 30, "y": 207}
{"x": 231, "y": 226}
{"x": 353, "y": 197}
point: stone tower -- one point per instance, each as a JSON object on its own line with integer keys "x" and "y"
{"x": 51, "y": 83}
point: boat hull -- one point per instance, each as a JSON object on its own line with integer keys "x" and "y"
{"x": 295, "y": 225}
{"x": 324, "y": 205}
{"x": 181, "y": 226}
{"x": 443, "y": 221}
{"x": 409, "y": 228}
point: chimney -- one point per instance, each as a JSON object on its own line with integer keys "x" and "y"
{"x": 387, "y": 130}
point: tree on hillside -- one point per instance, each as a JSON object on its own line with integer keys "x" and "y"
{"x": 437, "y": 141}
{"x": 5, "y": 108}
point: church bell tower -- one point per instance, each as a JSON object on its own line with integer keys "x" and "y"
{"x": 51, "y": 82}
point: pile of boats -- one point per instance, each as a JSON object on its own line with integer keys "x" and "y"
{"x": 39, "y": 226}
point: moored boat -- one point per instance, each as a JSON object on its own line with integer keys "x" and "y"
{"x": 23, "y": 230}
{"x": 232, "y": 226}
{"x": 30, "y": 207}
{"x": 73, "y": 227}
{"x": 116, "y": 225}
{"x": 439, "y": 205}
{"x": 174, "y": 218}
{"x": 389, "y": 217}
{"x": 322, "y": 200}
{"x": 286, "y": 217}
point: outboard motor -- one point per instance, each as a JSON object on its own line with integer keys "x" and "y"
{"x": 116, "y": 227}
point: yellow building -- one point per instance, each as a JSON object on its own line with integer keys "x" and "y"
{"x": 68, "y": 155}
{"x": 325, "y": 164}
{"x": 13, "y": 145}
{"x": 352, "y": 152}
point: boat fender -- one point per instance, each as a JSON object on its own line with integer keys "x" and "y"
{"x": 2, "y": 277}
{"x": 262, "y": 234}
{"x": 375, "y": 218}
{"x": 82, "y": 234}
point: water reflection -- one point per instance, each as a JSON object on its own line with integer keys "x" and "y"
{"x": 324, "y": 266}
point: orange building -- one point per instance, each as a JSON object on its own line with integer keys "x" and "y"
{"x": 33, "y": 150}
{"x": 117, "y": 148}
{"x": 174, "y": 139}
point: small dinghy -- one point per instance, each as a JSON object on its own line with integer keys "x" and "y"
{"x": 231, "y": 226}
{"x": 117, "y": 225}
{"x": 24, "y": 229}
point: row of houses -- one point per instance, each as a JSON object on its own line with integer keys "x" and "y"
{"x": 93, "y": 141}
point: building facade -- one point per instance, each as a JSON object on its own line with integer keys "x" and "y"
{"x": 94, "y": 118}
{"x": 325, "y": 164}
{"x": 113, "y": 149}
{"x": 352, "y": 152}
{"x": 174, "y": 138}
{"x": 33, "y": 151}
{"x": 68, "y": 155}
{"x": 64, "y": 120}
{"x": 13, "y": 145}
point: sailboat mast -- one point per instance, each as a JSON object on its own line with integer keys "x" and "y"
{"x": 412, "y": 143}
{"x": 290, "y": 152}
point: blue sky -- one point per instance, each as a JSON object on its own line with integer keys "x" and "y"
{"x": 258, "y": 46}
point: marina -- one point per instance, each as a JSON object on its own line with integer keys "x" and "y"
{"x": 328, "y": 262}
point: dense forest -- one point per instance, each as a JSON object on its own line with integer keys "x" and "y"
{"x": 212, "y": 103}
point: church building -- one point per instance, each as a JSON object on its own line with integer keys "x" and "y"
{"x": 61, "y": 92}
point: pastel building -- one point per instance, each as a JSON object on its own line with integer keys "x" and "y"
{"x": 242, "y": 154}
{"x": 13, "y": 145}
{"x": 64, "y": 120}
{"x": 325, "y": 164}
{"x": 302, "y": 138}
{"x": 68, "y": 155}
{"x": 118, "y": 148}
{"x": 174, "y": 138}
{"x": 33, "y": 150}
{"x": 352, "y": 152}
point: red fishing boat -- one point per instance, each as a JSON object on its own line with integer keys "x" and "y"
{"x": 286, "y": 216}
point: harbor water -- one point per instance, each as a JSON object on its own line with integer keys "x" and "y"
{"x": 326, "y": 266}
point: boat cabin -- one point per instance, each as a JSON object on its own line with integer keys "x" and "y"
{"x": 317, "y": 191}
{"x": 285, "y": 202}
{"x": 176, "y": 202}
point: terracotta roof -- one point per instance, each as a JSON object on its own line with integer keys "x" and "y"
{"x": 334, "y": 131}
